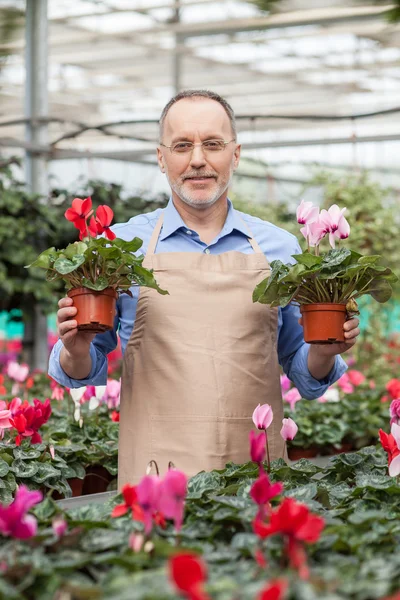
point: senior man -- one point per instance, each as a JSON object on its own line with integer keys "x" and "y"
{"x": 198, "y": 361}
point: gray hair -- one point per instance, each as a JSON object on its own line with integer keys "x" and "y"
{"x": 199, "y": 94}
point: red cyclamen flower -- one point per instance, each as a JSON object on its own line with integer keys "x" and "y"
{"x": 104, "y": 216}
{"x": 188, "y": 572}
{"x": 80, "y": 211}
{"x": 393, "y": 387}
{"x": 274, "y": 590}
{"x": 27, "y": 419}
{"x": 262, "y": 490}
{"x": 389, "y": 445}
{"x": 293, "y": 520}
{"x": 130, "y": 503}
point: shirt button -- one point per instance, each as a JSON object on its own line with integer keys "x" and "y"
{"x": 189, "y": 232}
{"x": 207, "y": 251}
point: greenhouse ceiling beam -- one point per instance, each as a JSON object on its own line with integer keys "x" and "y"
{"x": 137, "y": 9}
{"x": 320, "y": 16}
{"x": 132, "y": 155}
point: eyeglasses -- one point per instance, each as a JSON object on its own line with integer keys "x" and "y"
{"x": 208, "y": 146}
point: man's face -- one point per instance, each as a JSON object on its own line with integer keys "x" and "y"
{"x": 198, "y": 178}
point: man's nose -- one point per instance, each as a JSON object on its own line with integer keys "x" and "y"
{"x": 197, "y": 158}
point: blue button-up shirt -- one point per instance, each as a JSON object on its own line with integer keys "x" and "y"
{"x": 175, "y": 236}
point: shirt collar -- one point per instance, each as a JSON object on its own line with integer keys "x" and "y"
{"x": 173, "y": 221}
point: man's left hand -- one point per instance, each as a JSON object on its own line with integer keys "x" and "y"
{"x": 351, "y": 332}
{"x": 321, "y": 357}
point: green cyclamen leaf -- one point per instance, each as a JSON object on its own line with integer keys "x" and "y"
{"x": 44, "y": 260}
{"x": 307, "y": 259}
{"x": 65, "y": 266}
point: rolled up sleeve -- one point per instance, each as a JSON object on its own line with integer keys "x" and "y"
{"x": 97, "y": 375}
{"x": 308, "y": 386}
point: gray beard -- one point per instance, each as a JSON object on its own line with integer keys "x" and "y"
{"x": 193, "y": 202}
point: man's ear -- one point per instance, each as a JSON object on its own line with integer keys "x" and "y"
{"x": 160, "y": 160}
{"x": 236, "y": 156}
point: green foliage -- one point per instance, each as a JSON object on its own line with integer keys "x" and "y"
{"x": 338, "y": 275}
{"x": 354, "y": 420}
{"x": 356, "y": 557}
{"x": 97, "y": 264}
{"x": 28, "y": 224}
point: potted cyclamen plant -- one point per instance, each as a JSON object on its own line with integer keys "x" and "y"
{"x": 325, "y": 284}
{"x": 97, "y": 268}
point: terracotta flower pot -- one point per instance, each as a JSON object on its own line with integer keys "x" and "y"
{"x": 96, "y": 310}
{"x": 323, "y": 323}
{"x": 295, "y": 453}
{"x": 76, "y": 486}
{"x": 97, "y": 480}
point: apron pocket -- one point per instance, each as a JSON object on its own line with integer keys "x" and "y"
{"x": 198, "y": 443}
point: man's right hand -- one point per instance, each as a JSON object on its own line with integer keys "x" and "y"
{"x": 76, "y": 343}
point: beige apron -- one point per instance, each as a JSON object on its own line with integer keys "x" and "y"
{"x": 197, "y": 364}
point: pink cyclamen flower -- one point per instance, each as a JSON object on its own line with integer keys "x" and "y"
{"x": 14, "y": 521}
{"x": 285, "y": 383}
{"x": 356, "y": 377}
{"x": 307, "y": 213}
{"x": 15, "y": 405}
{"x": 289, "y": 429}
{"x": 59, "y": 526}
{"x": 257, "y": 446}
{"x": 172, "y": 496}
{"x": 17, "y": 372}
{"x": 112, "y": 395}
{"x": 395, "y": 412}
{"x": 57, "y": 393}
{"x": 292, "y": 396}
{"x": 5, "y": 415}
{"x": 314, "y": 232}
{"x": 136, "y": 541}
{"x": 262, "y": 416}
{"x": 335, "y": 223}
{"x": 394, "y": 466}
{"x": 148, "y": 493}
{"x": 262, "y": 490}
{"x": 345, "y": 385}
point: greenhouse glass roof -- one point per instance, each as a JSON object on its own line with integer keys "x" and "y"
{"x": 297, "y": 78}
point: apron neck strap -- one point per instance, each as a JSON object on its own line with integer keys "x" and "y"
{"x": 252, "y": 241}
{"x": 154, "y": 236}
{"x": 157, "y": 229}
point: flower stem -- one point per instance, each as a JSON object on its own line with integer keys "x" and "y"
{"x": 268, "y": 457}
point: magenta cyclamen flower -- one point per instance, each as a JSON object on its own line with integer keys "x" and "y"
{"x": 14, "y": 521}
{"x": 289, "y": 429}
{"x": 148, "y": 494}
{"x": 173, "y": 490}
{"x": 257, "y": 446}
{"x": 395, "y": 412}
{"x": 262, "y": 490}
{"x": 285, "y": 383}
{"x": 262, "y": 416}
